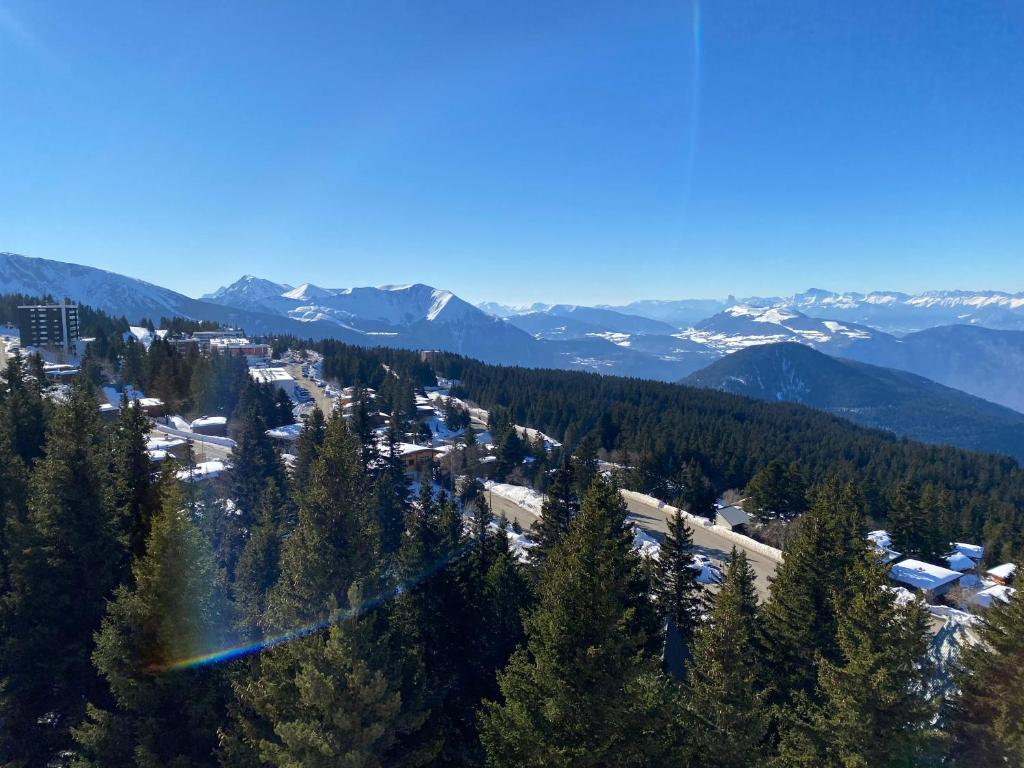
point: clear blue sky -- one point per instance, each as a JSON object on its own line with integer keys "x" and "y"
{"x": 572, "y": 151}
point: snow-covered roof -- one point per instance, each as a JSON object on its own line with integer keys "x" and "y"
{"x": 880, "y": 539}
{"x": 958, "y": 561}
{"x": 157, "y": 455}
{"x": 287, "y": 432}
{"x": 209, "y": 421}
{"x": 973, "y": 551}
{"x": 886, "y": 555}
{"x": 270, "y": 375}
{"x": 1004, "y": 571}
{"x": 921, "y": 575}
{"x": 203, "y": 470}
{"x": 984, "y": 598}
{"x": 164, "y": 443}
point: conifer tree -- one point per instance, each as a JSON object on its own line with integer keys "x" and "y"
{"x": 260, "y": 562}
{"x": 676, "y": 590}
{"x": 284, "y": 409}
{"x": 914, "y": 531}
{"x": 324, "y": 700}
{"x": 800, "y": 616}
{"x": 255, "y": 462}
{"x": 173, "y": 612}
{"x": 560, "y": 508}
{"x": 568, "y": 694}
{"x": 584, "y": 464}
{"x": 725, "y": 712}
{"x": 871, "y": 707}
{"x": 985, "y": 719}
{"x": 23, "y": 411}
{"x": 392, "y": 494}
{"x": 776, "y": 491}
{"x": 131, "y": 492}
{"x": 334, "y": 695}
{"x": 696, "y": 494}
{"x": 65, "y": 565}
{"x": 13, "y": 484}
{"x": 311, "y": 438}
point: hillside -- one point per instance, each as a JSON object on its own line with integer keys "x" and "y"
{"x": 883, "y": 398}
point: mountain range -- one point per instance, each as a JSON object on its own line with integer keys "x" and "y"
{"x": 883, "y": 398}
{"x": 666, "y": 340}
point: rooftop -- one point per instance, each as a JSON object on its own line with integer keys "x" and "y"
{"x": 1004, "y": 571}
{"x": 921, "y": 575}
{"x": 973, "y": 551}
{"x": 269, "y": 375}
{"x": 958, "y": 561}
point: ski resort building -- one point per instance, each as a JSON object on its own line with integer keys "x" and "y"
{"x": 49, "y": 326}
{"x": 278, "y": 378}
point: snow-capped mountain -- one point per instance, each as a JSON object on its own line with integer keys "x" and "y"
{"x": 742, "y": 326}
{"x": 248, "y": 292}
{"x": 413, "y": 315}
{"x": 904, "y": 313}
{"x": 568, "y": 321}
{"x": 113, "y": 293}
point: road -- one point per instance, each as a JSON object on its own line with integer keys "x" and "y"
{"x": 706, "y": 542}
{"x": 204, "y": 451}
{"x": 654, "y": 521}
{"x": 323, "y": 402}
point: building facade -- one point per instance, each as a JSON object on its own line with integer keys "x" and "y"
{"x": 49, "y": 325}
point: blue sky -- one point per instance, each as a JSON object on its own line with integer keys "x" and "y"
{"x": 569, "y": 151}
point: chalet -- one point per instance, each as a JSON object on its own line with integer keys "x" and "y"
{"x": 416, "y": 458}
{"x": 931, "y": 580}
{"x": 1002, "y": 574}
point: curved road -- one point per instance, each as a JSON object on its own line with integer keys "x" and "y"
{"x": 654, "y": 521}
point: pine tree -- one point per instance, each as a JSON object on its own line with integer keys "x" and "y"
{"x": 255, "y": 462}
{"x": 914, "y": 531}
{"x": 13, "y": 485}
{"x": 560, "y": 508}
{"x": 985, "y": 719}
{"x": 284, "y": 409}
{"x": 130, "y": 489}
{"x": 676, "y": 590}
{"x": 392, "y": 494}
{"x": 584, "y": 465}
{"x": 160, "y": 717}
{"x": 871, "y": 707}
{"x": 800, "y": 617}
{"x": 65, "y": 565}
{"x": 569, "y": 694}
{"x": 725, "y": 712}
{"x": 311, "y": 438}
{"x": 330, "y": 696}
{"x": 23, "y": 412}
{"x": 259, "y": 565}
{"x": 326, "y": 699}
{"x": 776, "y": 491}
{"x": 696, "y": 494}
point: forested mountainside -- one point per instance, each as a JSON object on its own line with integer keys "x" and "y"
{"x": 872, "y": 396}
{"x": 659, "y": 430}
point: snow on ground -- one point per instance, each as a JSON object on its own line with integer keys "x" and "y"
{"x": 648, "y": 546}
{"x": 202, "y": 471}
{"x": 530, "y": 434}
{"x": 521, "y": 496}
{"x": 519, "y": 543}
